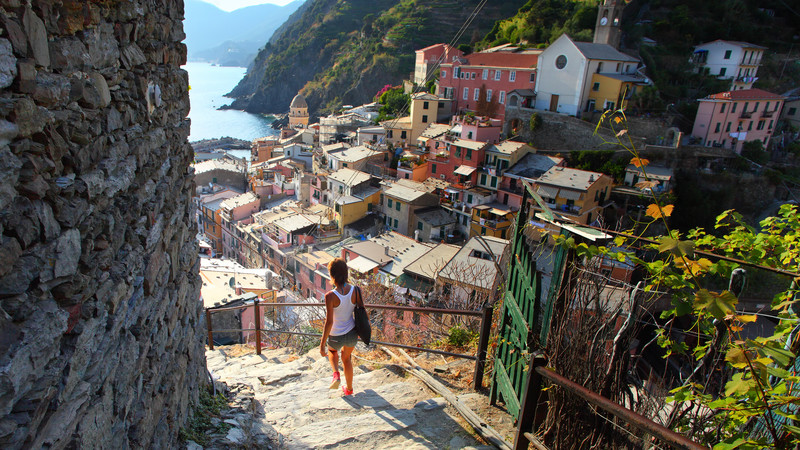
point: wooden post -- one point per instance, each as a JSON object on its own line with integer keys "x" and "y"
{"x": 210, "y": 330}
{"x": 258, "y": 326}
{"x": 530, "y": 400}
{"x": 483, "y": 344}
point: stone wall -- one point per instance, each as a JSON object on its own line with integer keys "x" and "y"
{"x": 100, "y": 330}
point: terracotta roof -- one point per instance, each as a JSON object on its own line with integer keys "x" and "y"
{"x": 745, "y": 94}
{"x": 526, "y": 60}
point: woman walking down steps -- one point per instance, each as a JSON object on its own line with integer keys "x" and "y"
{"x": 339, "y": 334}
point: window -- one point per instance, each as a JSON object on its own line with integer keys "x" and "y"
{"x": 733, "y": 108}
{"x": 458, "y": 152}
{"x": 533, "y": 77}
{"x": 755, "y": 109}
{"x": 483, "y": 178}
{"x": 477, "y": 94}
{"x": 760, "y": 125}
{"x": 750, "y": 126}
{"x": 424, "y": 105}
{"x": 389, "y": 203}
{"x": 488, "y": 95}
{"x": 403, "y": 134}
{"x": 395, "y": 223}
{"x": 311, "y": 276}
{"x": 441, "y": 104}
{"x": 388, "y": 221}
{"x": 485, "y": 74}
{"x": 433, "y": 168}
{"x": 322, "y": 282}
{"x": 716, "y": 129}
{"x": 766, "y": 107}
{"x": 599, "y": 67}
{"x": 344, "y": 165}
{"x": 444, "y": 74}
{"x": 777, "y": 104}
{"x": 424, "y": 119}
{"x": 502, "y": 98}
{"x": 791, "y": 112}
{"x": 722, "y": 108}
{"x": 596, "y": 87}
{"x": 497, "y": 75}
{"x": 619, "y": 66}
{"x": 483, "y": 231}
{"x": 770, "y": 124}
{"x": 456, "y": 72}
{"x": 744, "y": 108}
{"x": 469, "y": 198}
{"x": 469, "y": 153}
{"x": 397, "y": 206}
{"x": 722, "y": 71}
{"x": 466, "y": 93}
{"x": 512, "y": 76}
{"x": 494, "y": 182}
{"x": 728, "y": 127}
{"x": 419, "y": 225}
{"x": 728, "y": 54}
{"x": 415, "y": 318}
{"x": 214, "y": 180}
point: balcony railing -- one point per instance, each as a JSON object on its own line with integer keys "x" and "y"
{"x": 767, "y": 113}
{"x": 517, "y": 190}
{"x": 746, "y": 115}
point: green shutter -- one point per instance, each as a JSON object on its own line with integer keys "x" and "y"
{"x": 469, "y": 153}
{"x": 395, "y": 223}
{"x": 494, "y": 181}
{"x": 483, "y": 178}
{"x": 397, "y": 206}
{"x": 389, "y": 203}
{"x": 433, "y": 168}
{"x": 419, "y": 225}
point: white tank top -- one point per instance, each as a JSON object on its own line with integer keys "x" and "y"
{"x": 343, "y": 320}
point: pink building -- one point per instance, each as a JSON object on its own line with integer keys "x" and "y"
{"x": 428, "y": 57}
{"x": 729, "y": 119}
{"x": 455, "y": 160}
{"x": 477, "y": 128}
{"x": 500, "y": 69}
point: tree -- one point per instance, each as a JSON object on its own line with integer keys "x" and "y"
{"x": 732, "y": 391}
{"x": 486, "y": 107}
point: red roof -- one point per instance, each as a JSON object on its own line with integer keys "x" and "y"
{"x": 503, "y": 59}
{"x": 746, "y": 94}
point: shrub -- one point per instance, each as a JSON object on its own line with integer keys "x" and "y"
{"x": 536, "y": 121}
{"x": 460, "y": 337}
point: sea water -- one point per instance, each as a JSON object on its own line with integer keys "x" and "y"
{"x": 208, "y": 85}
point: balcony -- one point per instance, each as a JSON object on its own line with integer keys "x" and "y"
{"x": 517, "y": 190}
{"x": 767, "y": 113}
{"x": 746, "y": 115}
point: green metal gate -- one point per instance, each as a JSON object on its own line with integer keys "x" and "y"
{"x": 524, "y": 318}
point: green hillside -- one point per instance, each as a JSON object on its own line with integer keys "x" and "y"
{"x": 342, "y": 52}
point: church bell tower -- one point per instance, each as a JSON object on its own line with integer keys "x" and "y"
{"x": 606, "y": 30}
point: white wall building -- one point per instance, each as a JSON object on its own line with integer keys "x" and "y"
{"x": 566, "y": 68}
{"x": 733, "y": 60}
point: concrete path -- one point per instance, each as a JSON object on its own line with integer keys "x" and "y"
{"x": 294, "y": 409}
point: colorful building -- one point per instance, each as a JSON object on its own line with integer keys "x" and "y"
{"x": 428, "y": 59}
{"x": 729, "y": 119}
{"x": 492, "y": 73}
{"x": 577, "y": 194}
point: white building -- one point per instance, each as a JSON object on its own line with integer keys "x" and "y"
{"x": 733, "y": 60}
{"x": 566, "y": 68}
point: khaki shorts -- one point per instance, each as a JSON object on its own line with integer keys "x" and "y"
{"x": 348, "y": 339}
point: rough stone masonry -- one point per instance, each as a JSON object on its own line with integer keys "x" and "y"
{"x": 100, "y": 329}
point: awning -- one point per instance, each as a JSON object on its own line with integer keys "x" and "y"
{"x": 547, "y": 191}
{"x": 570, "y": 195}
{"x": 451, "y": 191}
{"x": 456, "y": 129}
{"x": 464, "y": 170}
{"x": 361, "y": 264}
{"x": 499, "y": 212}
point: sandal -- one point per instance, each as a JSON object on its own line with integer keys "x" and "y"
{"x": 337, "y": 380}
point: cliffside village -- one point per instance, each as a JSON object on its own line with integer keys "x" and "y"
{"x": 330, "y": 189}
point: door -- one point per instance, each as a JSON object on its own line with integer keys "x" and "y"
{"x": 553, "y": 102}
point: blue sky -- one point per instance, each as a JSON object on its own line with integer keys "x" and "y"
{"x": 230, "y": 5}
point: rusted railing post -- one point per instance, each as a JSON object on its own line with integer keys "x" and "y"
{"x": 483, "y": 344}
{"x": 258, "y": 326}
{"x": 210, "y": 330}
{"x": 530, "y": 400}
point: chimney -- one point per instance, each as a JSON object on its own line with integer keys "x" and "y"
{"x": 238, "y": 289}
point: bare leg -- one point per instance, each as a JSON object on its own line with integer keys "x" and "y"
{"x": 348, "y": 366}
{"x": 333, "y": 357}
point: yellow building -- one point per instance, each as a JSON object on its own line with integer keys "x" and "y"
{"x": 425, "y": 109}
{"x": 578, "y": 194}
{"x": 349, "y": 209}
{"x": 612, "y": 91}
{"x": 491, "y": 219}
{"x": 298, "y": 112}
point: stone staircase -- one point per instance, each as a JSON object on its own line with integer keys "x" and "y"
{"x": 292, "y": 407}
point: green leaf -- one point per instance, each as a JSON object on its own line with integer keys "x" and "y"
{"x": 780, "y": 355}
{"x": 717, "y": 304}
{"x": 728, "y": 445}
{"x": 738, "y": 386}
{"x": 667, "y": 244}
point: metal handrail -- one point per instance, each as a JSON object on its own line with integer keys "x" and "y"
{"x": 479, "y": 357}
